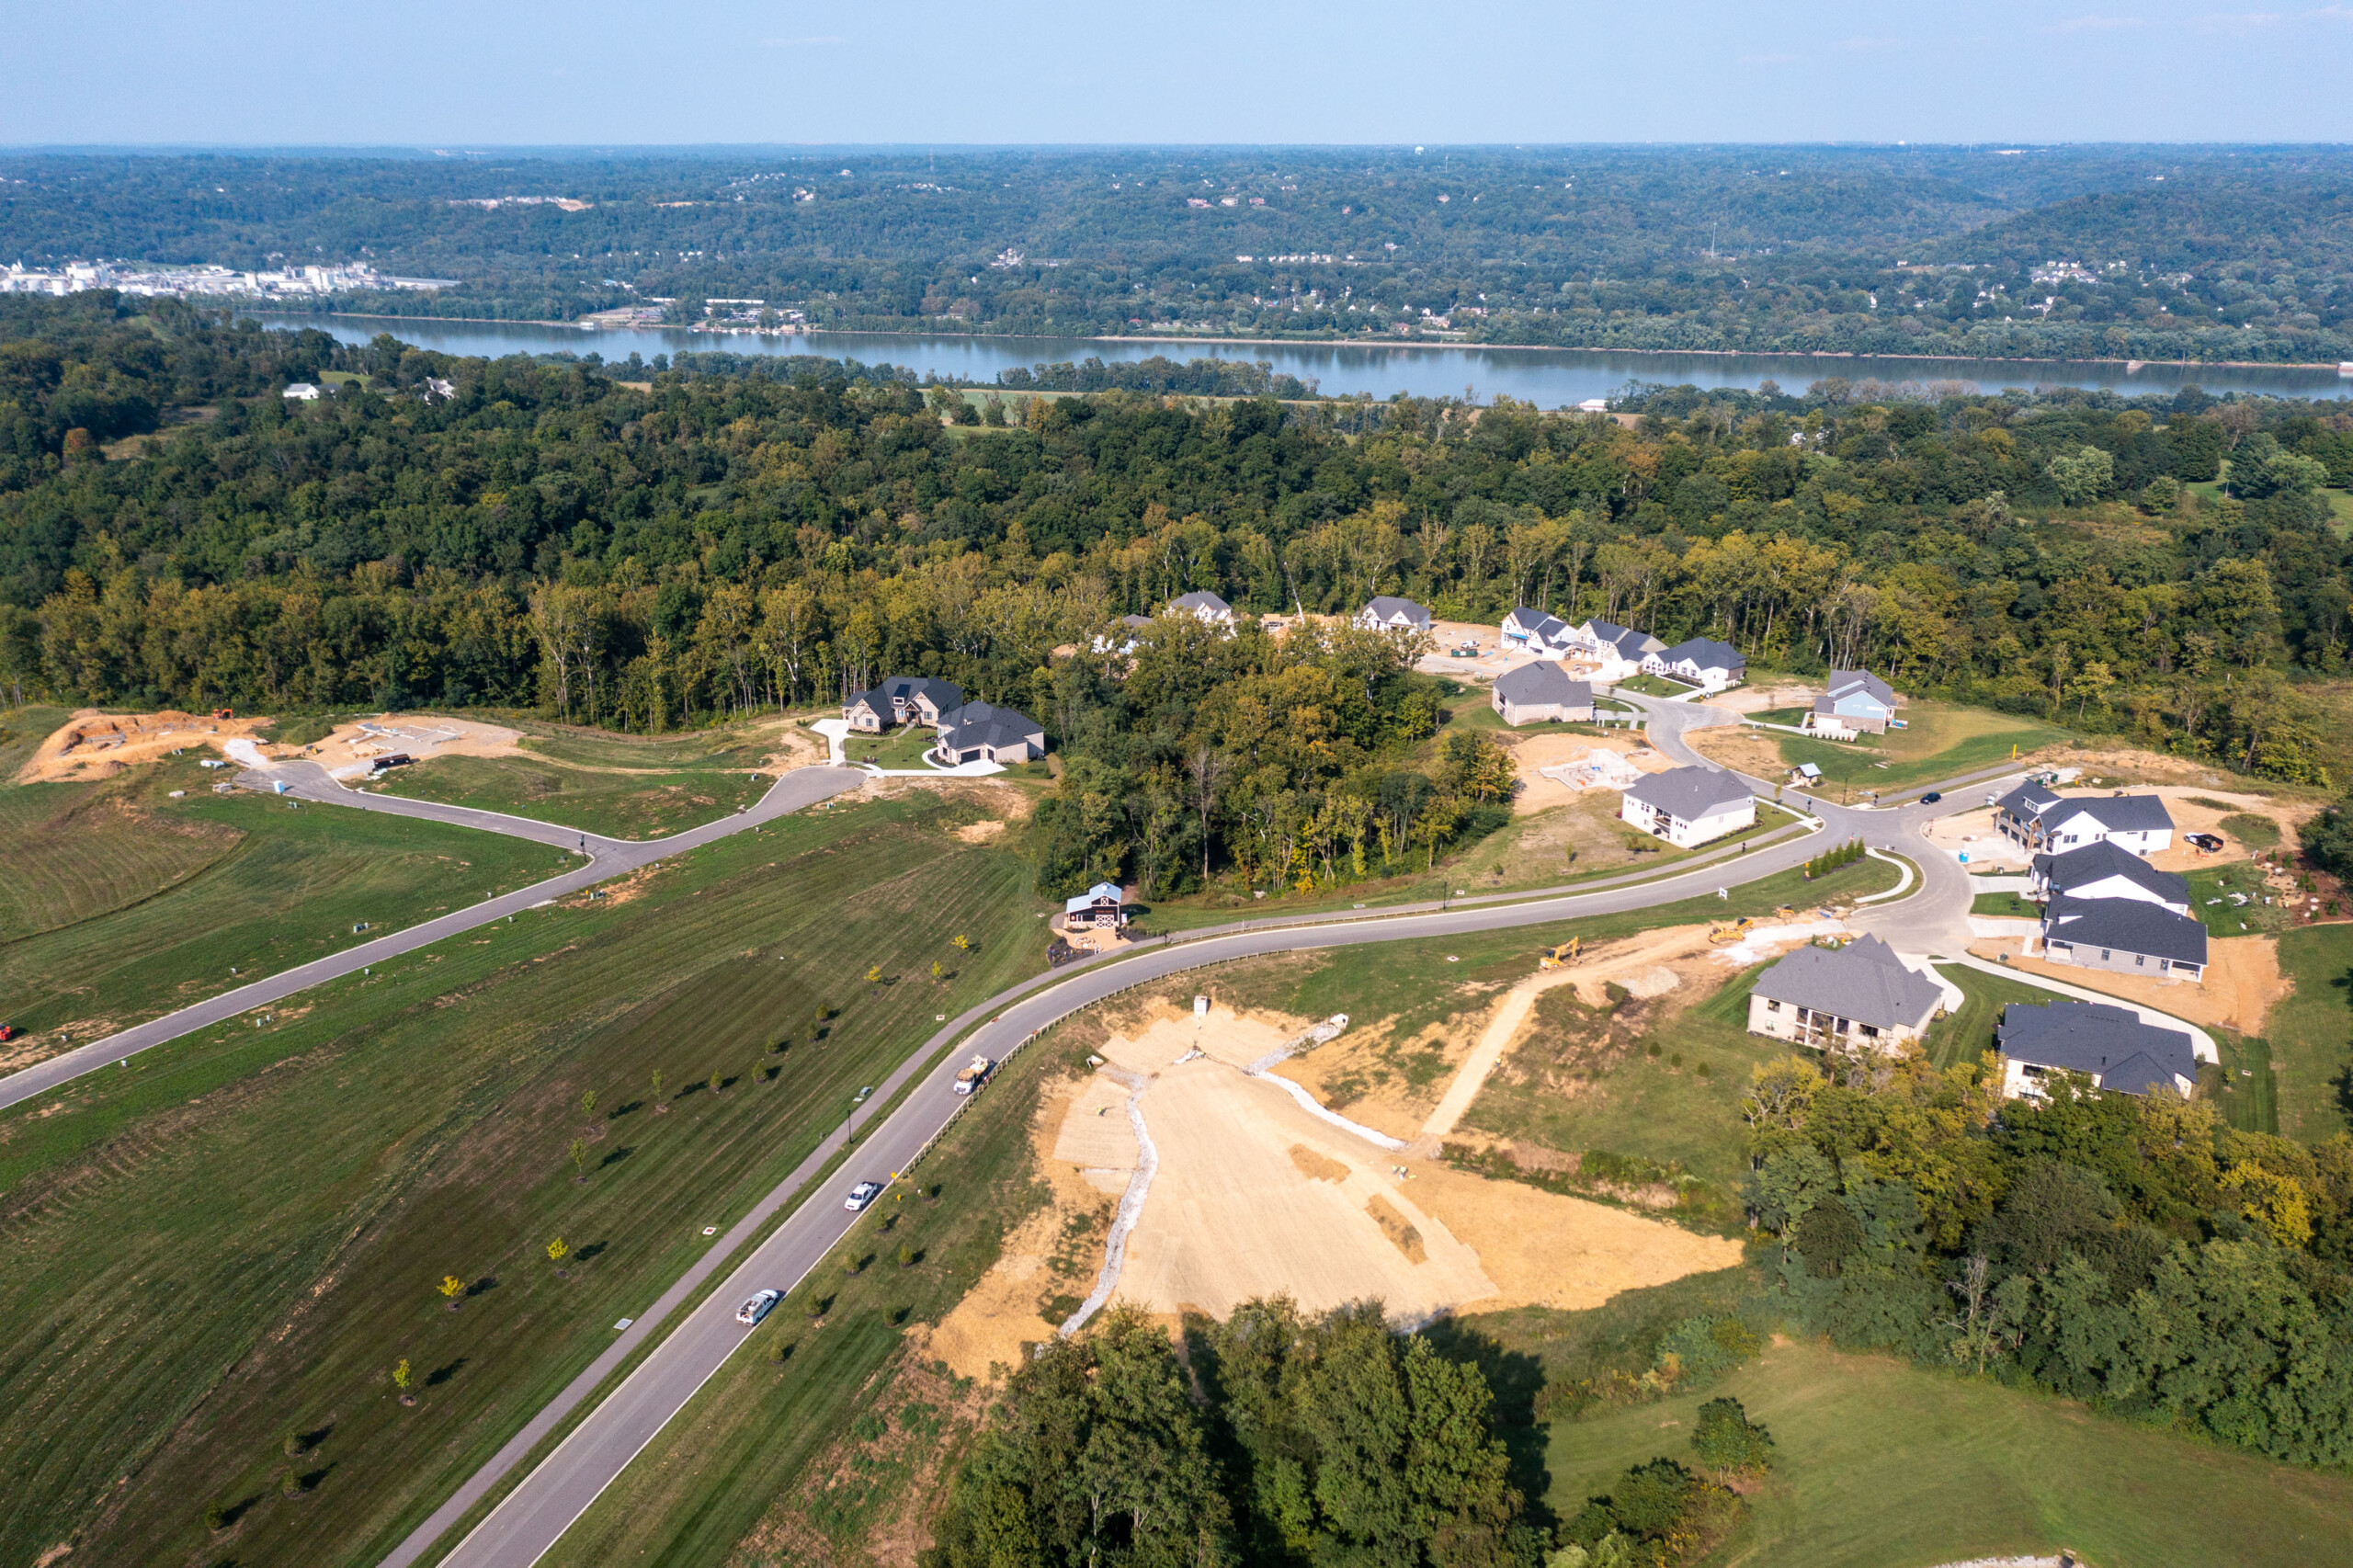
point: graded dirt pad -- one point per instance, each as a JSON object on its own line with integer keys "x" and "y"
{"x": 349, "y": 749}
{"x": 1764, "y": 699}
{"x": 2243, "y": 981}
{"x": 93, "y": 745}
{"x": 1971, "y": 833}
{"x": 1532, "y": 753}
{"x": 1756, "y": 752}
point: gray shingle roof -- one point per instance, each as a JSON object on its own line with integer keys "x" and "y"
{"x": 1863, "y": 981}
{"x": 1543, "y": 681}
{"x": 2117, "y": 814}
{"x": 1707, "y": 652}
{"x": 944, "y": 694}
{"x": 980, "y": 725}
{"x": 2027, "y": 800}
{"x": 2125, "y": 925}
{"x": 2093, "y": 1037}
{"x": 1844, "y": 681}
{"x": 1688, "y": 792}
{"x": 2095, "y": 862}
{"x": 1631, "y": 644}
{"x": 1385, "y": 609}
{"x": 1201, "y": 600}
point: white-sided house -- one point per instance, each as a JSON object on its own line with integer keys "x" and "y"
{"x": 1100, "y": 906}
{"x": 2130, "y": 936}
{"x": 2039, "y": 820}
{"x": 1125, "y": 641}
{"x": 301, "y": 391}
{"x": 2107, "y": 871}
{"x": 980, "y": 733}
{"x": 1690, "y": 805}
{"x": 903, "y": 700}
{"x": 1615, "y": 652}
{"x": 2110, "y": 1045}
{"x": 1541, "y": 693}
{"x": 1702, "y": 660}
{"x": 1202, "y": 605}
{"x": 1857, "y": 702}
{"x": 1861, "y": 994}
{"x": 1385, "y": 614}
{"x": 1547, "y": 636}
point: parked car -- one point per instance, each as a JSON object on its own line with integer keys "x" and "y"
{"x": 753, "y": 1311}
{"x": 2209, "y": 842}
{"x": 1931, "y": 798}
{"x": 861, "y": 1194}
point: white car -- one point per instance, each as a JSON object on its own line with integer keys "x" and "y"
{"x": 753, "y": 1311}
{"x": 861, "y": 1194}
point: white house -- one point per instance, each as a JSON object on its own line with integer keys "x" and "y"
{"x": 1547, "y": 636}
{"x": 1861, "y": 994}
{"x": 1703, "y": 661}
{"x": 1857, "y": 702}
{"x": 1385, "y": 614}
{"x": 1689, "y": 806}
{"x": 302, "y": 392}
{"x": 1615, "y": 652}
{"x": 2038, "y": 819}
{"x": 2110, "y": 1045}
{"x": 2106, "y": 870}
{"x": 1205, "y": 606}
{"x": 1539, "y": 692}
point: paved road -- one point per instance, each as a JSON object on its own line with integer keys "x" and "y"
{"x": 531, "y": 1517}
{"x": 607, "y": 859}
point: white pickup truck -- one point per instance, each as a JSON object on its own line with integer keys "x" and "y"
{"x": 973, "y": 1074}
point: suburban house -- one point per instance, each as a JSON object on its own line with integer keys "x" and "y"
{"x": 1690, "y": 805}
{"x": 1205, "y": 606}
{"x": 1539, "y": 692}
{"x": 903, "y": 700}
{"x": 2108, "y": 1044}
{"x": 1123, "y": 642}
{"x": 1606, "y": 642}
{"x": 1098, "y": 905}
{"x": 301, "y": 391}
{"x": 2103, "y": 870}
{"x": 980, "y": 733}
{"x": 1857, "y": 702}
{"x": 1860, "y": 994}
{"x": 2038, "y": 819}
{"x": 1703, "y": 661}
{"x": 2128, "y": 935}
{"x": 1385, "y": 614}
{"x": 1537, "y": 632}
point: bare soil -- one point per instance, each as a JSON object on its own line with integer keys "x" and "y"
{"x": 2243, "y": 981}
{"x": 93, "y": 745}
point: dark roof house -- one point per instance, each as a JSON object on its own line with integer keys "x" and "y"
{"x": 1383, "y": 613}
{"x": 980, "y": 732}
{"x": 1542, "y": 685}
{"x": 2101, "y": 866}
{"x": 2125, "y": 926}
{"x": 2108, "y": 1044}
{"x": 1863, "y": 981}
{"x": 1688, "y": 792}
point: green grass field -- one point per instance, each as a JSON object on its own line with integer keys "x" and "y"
{"x": 902, "y": 747}
{"x": 2310, "y": 1033}
{"x": 1938, "y": 741}
{"x": 1967, "y": 1032}
{"x": 1653, "y": 686}
{"x": 2251, "y": 918}
{"x": 180, "y": 893}
{"x": 2005, "y": 906}
{"x": 1881, "y": 1464}
{"x": 238, "y": 1235}
{"x": 620, "y": 804}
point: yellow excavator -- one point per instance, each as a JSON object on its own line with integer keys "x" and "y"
{"x": 1562, "y": 956}
{"x": 1723, "y": 935}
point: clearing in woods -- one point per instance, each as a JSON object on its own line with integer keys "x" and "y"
{"x": 298, "y": 1190}
{"x": 1880, "y": 1462}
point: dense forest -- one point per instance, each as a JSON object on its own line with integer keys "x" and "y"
{"x": 2156, "y": 253}
{"x": 703, "y": 542}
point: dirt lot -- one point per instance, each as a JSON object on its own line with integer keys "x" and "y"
{"x": 2243, "y": 981}
{"x": 1256, "y": 1194}
{"x": 1763, "y": 699}
{"x": 93, "y": 745}
{"x": 1532, "y": 753}
{"x": 349, "y": 749}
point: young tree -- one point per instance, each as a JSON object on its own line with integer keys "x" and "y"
{"x": 557, "y": 1249}
{"x": 659, "y": 1107}
{"x": 400, "y": 1374}
{"x": 451, "y": 1287}
{"x": 716, "y": 1081}
{"x": 962, "y": 944}
{"x": 1728, "y": 1442}
{"x": 873, "y": 975}
{"x": 938, "y": 973}
{"x": 579, "y": 1152}
{"x": 589, "y": 1103}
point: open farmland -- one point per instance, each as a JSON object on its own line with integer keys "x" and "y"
{"x": 296, "y": 1191}
{"x": 1881, "y": 1464}
{"x": 1939, "y": 741}
{"x": 630, "y": 803}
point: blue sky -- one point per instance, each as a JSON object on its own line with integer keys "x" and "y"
{"x": 432, "y": 72}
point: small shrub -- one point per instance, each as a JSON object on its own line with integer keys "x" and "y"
{"x": 215, "y": 1518}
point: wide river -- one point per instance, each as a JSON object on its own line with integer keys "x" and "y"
{"x": 1546, "y": 376}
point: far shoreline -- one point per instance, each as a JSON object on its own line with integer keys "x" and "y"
{"x": 1451, "y": 344}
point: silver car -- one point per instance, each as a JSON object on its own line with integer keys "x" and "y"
{"x": 753, "y": 1311}
{"x": 861, "y": 1194}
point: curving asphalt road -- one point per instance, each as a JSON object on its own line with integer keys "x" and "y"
{"x": 607, "y": 858}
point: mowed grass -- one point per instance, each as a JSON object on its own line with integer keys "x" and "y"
{"x": 1967, "y": 1032}
{"x": 1938, "y": 741}
{"x": 239, "y": 1236}
{"x": 745, "y": 1447}
{"x": 69, "y": 851}
{"x": 272, "y": 885}
{"x": 2249, "y": 917}
{"x": 2310, "y": 1033}
{"x": 619, "y": 804}
{"x": 901, "y": 747}
{"x": 1882, "y": 1464}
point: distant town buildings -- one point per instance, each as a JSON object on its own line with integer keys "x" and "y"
{"x": 138, "y": 278}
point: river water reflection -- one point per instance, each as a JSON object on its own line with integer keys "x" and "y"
{"x": 1548, "y": 378}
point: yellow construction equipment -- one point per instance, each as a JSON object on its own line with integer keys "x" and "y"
{"x": 1785, "y": 912}
{"x": 1732, "y": 933}
{"x": 1563, "y": 955}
